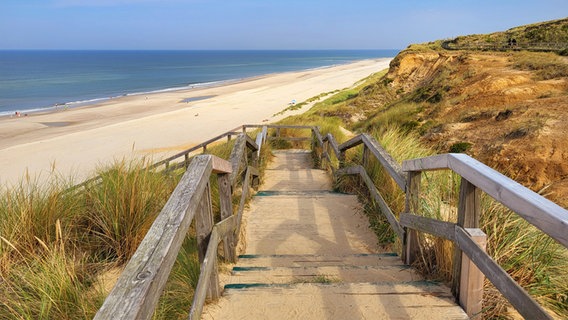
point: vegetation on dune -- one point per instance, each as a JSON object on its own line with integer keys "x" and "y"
{"x": 61, "y": 248}
{"x": 400, "y": 119}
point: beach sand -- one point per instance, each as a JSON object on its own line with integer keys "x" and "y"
{"x": 74, "y": 142}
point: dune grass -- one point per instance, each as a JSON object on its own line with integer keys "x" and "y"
{"x": 58, "y": 243}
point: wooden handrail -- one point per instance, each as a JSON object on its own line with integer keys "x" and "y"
{"x": 544, "y": 214}
{"x": 138, "y": 288}
{"x": 537, "y": 210}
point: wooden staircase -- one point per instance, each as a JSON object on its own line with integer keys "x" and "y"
{"x": 311, "y": 255}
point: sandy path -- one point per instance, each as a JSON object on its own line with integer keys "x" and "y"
{"x": 76, "y": 141}
{"x": 311, "y": 255}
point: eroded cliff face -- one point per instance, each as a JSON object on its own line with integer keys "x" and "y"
{"x": 513, "y": 113}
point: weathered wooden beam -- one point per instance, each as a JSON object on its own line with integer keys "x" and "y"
{"x": 208, "y": 268}
{"x": 471, "y": 278}
{"x": 438, "y": 162}
{"x": 333, "y": 144}
{"x": 393, "y": 168}
{"x": 434, "y": 227}
{"x": 220, "y": 165}
{"x": 237, "y": 157}
{"x": 140, "y": 285}
{"x": 226, "y": 208}
{"x": 385, "y": 209}
{"x": 537, "y": 210}
{"x": 244, "y": 195}
{"x": 410, "y": 245}
{"x": 516, "y": 295}
{"x": 469, "y": 212}
{"x": 351, "y": 143}
{"x": 251, "y": 144}
{"x": 203, "y": 228}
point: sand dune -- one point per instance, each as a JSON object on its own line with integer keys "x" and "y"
{"x": 76, "y": 141}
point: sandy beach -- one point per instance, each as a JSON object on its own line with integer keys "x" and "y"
{"x": 76, "y": 141}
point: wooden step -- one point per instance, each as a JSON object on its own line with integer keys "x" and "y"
{"x": 299, "y": 260}
{"x": 409, "y": 300}
{"x": 322, "y": 274}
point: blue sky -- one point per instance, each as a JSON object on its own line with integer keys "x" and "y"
{"x": 257, "y": 24}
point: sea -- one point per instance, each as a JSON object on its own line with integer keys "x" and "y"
{"x": 36, "y": 80}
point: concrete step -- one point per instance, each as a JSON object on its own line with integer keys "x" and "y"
{"x": 322, "y": 274}
{"x": 409, "y": 300}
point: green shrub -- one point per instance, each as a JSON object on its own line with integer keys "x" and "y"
{"x": 459, "y": 147}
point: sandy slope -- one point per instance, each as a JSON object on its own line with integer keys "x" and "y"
{"x": 76, "y": 141}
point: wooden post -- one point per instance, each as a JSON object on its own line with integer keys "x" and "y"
{"x": 471, "y": 279}
{"x": 365, "y": 157}
{"x": 410, "y": 246}
{"x": 341, "y": 159}
{"x": 204, "y": 225}
{"x": 324, "y": 152}
{"x": 229, "y": 137}
{"x": 469, "y": 210}
{"x": 186, "y": 159}
{"x": 226, "y": 206}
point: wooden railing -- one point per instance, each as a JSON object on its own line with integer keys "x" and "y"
{"x": 471, "y": 262}
{"x": 140, "y": 285}
{"x": 136, "y": 293}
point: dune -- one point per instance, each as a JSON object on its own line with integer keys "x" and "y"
{"x": 74, "y": 142}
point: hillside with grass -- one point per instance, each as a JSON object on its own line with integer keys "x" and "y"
{"x": 543, "y": 36}
{"x": 506, "y": 108}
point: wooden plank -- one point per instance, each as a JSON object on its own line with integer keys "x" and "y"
{"x": 351, "y": 143}
{"x": 333, "y": 143}
{"x": 140, "y": 285}
{"x": 237, "y": 157}
{"x": 264, "y": 134}
{"x": 434, "y": 227}
{"x": 220, "y": 165}
{"x": 428, "y": 163}
{"x": 387, "y": 212}
{"x": 365, "y": 157}
{"x": 410, "y": 245}
{"x": 226, "y": 208}
{"x": 317, "y": 134}
{"x": 537, "y": 210}
{"x": 471, "y": 279}
{"x": 250, "y": 143}
{"x": 469, "y": 212}
{"x": 203, "y": 229}
{"x": 242, "y": 202}
{"x": 393, "y": 168}
{"x": 259, "y": 141}
{"x": 516, "y": 295}
{"x": 208, "y": 267}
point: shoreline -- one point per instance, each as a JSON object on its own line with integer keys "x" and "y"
{"x": 77, "y": 140}
{"x": 82, "y": 100}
